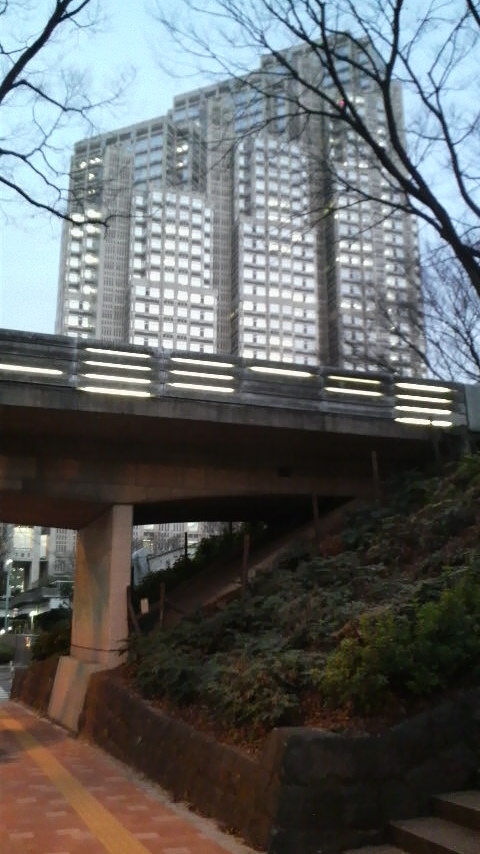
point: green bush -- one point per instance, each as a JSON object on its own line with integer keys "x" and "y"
{"x": 260, "y": 684}
{"x": 54, "y": 642}
{"x": 402, "y": 655}
{"x": 393, "y": 617}
{"x": 168, "y": 672}
{"x": 259, "y": 690}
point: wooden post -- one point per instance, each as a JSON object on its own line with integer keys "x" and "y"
{"x": 161, "y": 603}
{"x": 185, "y": 544}
{"x": 246, "y": 551}
{"x": 132, "y": 617}
{"x": 377, "y": 489}
{"x": 316, "y": 521}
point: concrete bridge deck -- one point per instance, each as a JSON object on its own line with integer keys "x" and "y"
{"x": 191, "y": 436}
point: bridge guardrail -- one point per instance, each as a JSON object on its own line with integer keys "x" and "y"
{"x": 94, "y": 367}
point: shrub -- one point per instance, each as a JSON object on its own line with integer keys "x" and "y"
{"x": 406, "y": 655}
{"x": 393, "y": 617}
{"x": 168, "y": 672}
{"x": 260, "y": 690}
{"x": 360, "y": 672}
{"x": 54, "y": 642}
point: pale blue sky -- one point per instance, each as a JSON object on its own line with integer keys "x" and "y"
{"x": 30, "y": 240}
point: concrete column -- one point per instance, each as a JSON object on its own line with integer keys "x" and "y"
{"x": 35, "y": 553}
{"x": 102, "y": 574}
{"x": 99, "y": 624}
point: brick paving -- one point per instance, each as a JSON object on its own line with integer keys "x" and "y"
{"x": 60, "y": 795}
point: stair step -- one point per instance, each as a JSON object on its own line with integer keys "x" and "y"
{"x": 434, "y": 836}
{"x": 460, "y": 807}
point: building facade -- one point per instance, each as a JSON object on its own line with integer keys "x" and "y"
{"x": 233, "y": 226}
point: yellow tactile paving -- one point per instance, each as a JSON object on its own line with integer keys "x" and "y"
{"x": 111, "y": 833}
{"x": 60, "y": 795}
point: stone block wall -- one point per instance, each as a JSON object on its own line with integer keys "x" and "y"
{"x": 217, "y": 780}
{"x": 33, "y": 685}
{"x": 309, "y": 790}
{"x": 341, "y": 791}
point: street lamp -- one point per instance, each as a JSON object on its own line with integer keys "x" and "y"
{"x": 8, "y": 567}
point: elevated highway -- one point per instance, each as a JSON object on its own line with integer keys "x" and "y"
{"x": 84, "y": 426}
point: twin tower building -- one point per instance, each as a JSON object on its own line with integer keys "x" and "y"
{"x": 240, "y": 224}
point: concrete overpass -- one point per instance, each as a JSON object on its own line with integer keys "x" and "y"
{"x": 95, "y": 437}
{"x": 83, "y": 427}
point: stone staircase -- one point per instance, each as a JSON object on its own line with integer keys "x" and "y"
{"x": 453, "y": 829}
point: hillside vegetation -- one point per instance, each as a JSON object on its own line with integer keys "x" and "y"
{"x": 387, "y": 616}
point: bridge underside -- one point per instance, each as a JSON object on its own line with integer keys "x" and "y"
{"x": 64, "y": 467}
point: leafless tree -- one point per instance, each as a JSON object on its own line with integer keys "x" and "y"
{"x": 450, "y": 321}
{"x": 431, "y": 49}
{"x": 40, "y": 92}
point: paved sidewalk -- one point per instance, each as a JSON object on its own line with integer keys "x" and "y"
{"x": 59, "y": 795}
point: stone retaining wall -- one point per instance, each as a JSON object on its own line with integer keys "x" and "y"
{"x": 33, "y": 685}
{"x": 310, "y": 791}
{"x": 219, "y": 781}
{"x": 339, "y": 792}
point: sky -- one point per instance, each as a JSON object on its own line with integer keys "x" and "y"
{"x": 29, "y": 239}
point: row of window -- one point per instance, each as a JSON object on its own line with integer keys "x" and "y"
{"x": 287, "y": 356}
{"x": 180, "y": 277}
{"x": 193, "y": 314}
{"x": 194, "y": 235}
{"x": 183, "y": 265}
{"x": 296, "y": 284}
{"x": 283, "y": 325}
{"x": 300, "y": 334}
{"x": 180, "y": 297}
{"x": 178, "y": 328}
{"x": 276, "y": 250}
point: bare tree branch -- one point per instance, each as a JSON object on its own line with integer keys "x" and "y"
{"x": 432, "y": 49}
{"x": 39, "y": 94}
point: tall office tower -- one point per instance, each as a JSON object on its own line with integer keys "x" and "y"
{"x": 233, "y": 227}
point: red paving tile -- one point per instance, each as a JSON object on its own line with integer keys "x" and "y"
{"x": 59, "y": 795}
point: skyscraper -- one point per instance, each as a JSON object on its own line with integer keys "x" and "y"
{"x": 233, "y": 226}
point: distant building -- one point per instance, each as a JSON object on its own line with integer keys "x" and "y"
{"x": 38, "y": 554}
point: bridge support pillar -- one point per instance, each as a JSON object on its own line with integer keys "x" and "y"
{"x": 99, "y": 624}
{"x": 102, "y": 575}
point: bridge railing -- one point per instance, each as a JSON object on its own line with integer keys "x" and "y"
{"x": 93, "y": 367}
